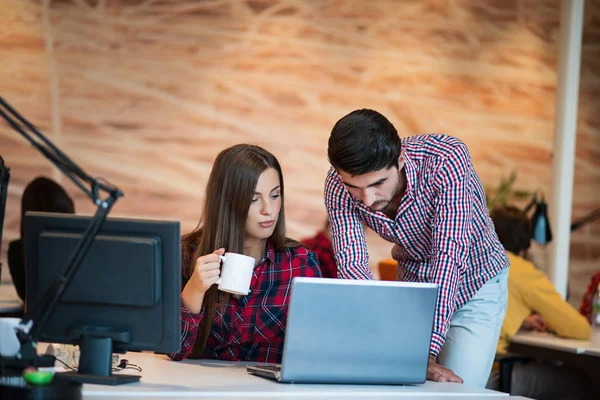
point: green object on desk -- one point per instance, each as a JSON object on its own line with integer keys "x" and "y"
{"x": 38, "y": 378}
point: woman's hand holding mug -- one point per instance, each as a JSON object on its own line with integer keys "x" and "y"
{"x": 206, "y": 273}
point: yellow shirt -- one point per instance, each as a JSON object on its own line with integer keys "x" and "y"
{"x": 529, "y": 291}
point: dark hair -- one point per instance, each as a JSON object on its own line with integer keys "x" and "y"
{"x": 43, "y": 194}
{"x": 229, "y": 192}
{"x": 512, "y": 227}
{"x": 363, "y": 141}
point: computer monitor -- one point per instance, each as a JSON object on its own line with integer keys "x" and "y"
{"x": 126, "y": 294}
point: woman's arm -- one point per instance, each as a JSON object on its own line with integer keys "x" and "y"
{"x": 189, "y": 331}
{"x": 205, "y": 274}
{"x": 312, "y": 268}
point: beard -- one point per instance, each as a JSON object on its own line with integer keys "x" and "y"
{"x": 382, "y": 205}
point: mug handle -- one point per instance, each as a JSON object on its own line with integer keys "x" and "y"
{"x": 219, "y": 280}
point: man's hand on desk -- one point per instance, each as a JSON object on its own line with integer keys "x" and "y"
{"x": 438, "y": 373}
{"x": 534, "y": 322}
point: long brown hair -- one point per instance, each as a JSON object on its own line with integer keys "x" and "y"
{"x": 229, "y": 192}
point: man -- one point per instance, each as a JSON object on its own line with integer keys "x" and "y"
{"x": 422, "y": 194}
{"x": 534, "y": 304}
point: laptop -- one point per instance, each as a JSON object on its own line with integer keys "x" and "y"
{"x": 355, "y": 331}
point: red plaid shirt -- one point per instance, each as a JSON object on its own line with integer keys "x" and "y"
{"x": 252, "y": 328}
{"x": 323, "y": 248}
{"x": 442, "y": 229}
{"x": 586, "y": 302}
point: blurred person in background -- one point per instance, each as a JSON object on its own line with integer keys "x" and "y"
{"x": 44, "y": 195}
{"x": 322, "y": 246}
{"x": 586, "y": 303}
{"x": 535, "y": 305}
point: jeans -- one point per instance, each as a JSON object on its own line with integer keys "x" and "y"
{"x": 472, "y": 338}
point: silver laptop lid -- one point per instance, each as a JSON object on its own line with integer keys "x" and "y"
{"x": 351, "y": 331}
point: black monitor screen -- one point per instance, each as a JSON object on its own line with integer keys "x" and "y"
{"x": 127, "y": 287}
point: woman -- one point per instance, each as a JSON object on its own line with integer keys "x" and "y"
{"x": 243, "y": 213}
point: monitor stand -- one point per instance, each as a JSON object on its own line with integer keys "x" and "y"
{"x": 95, "y": 361}
{"x": 112, "y": 379}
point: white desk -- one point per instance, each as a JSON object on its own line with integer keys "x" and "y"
{"x": 9, "y": 300}
{"x": 546, "y": 340}
{"x": 163, "y": 378}
{"x": 549, "y": 347}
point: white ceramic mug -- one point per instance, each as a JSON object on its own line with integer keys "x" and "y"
{"x": 236, "y": 273}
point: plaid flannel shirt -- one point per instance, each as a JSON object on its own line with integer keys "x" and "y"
{"x": 252, "y": 328}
